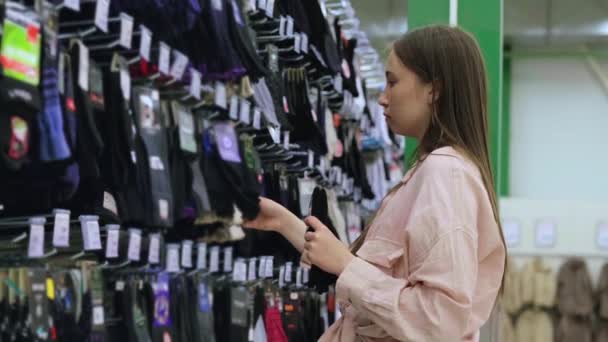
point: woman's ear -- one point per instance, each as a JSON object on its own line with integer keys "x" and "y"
{"x": 433, "y": 92}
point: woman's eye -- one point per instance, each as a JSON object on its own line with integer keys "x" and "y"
{"x": 391, "y": 83}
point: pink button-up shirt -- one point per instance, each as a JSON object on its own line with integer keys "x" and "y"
{"x": 432, "y": 262}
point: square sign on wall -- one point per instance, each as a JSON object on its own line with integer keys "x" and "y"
{"x": 512, "y": 231}
{"x": 545, "y": 234}
{"x": 602, "y": 235}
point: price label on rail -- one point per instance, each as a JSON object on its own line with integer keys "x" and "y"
{"x": 201, "y": 256}
{"x": 145, "y": 43}
{"x": 74, "y": 5}
{"x": 61, "y": 228}
{"x": 134, "y": 249}
{"x": 102, "y": 11}
{"x": 126, "y": 30}
{"x": 154, "y": 249}
{"x": 90, "y": 233}
{"x": 36, "y": 238}
{"x": 112, "y": 240}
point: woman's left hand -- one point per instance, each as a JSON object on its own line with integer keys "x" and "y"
{"x": 323, "y": 249}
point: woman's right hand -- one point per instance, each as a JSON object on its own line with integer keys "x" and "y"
{"x": 272, "y": 216}
{"x": 276, "y": 218}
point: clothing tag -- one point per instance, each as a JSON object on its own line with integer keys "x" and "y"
{"x": 180, "y": 62}
{"x": 220, "y": 95}
{"x": 163, "y": 209}
{"x": 237, "y": 271}
{"x": 36, "y": 242}
{"x": 250, "y": 335}
{"x": 218, "y": 5}
{"x": 164, "y": 57}
{"x": 338, "y": 84}
{"x": 50, "y": 288}
{"x": 83, "y": 66}
{"x": 285, "y": 105}
{"x": 262, "y": 5}
{"x": 187, "y": 140}
{"x": 126, "y": 30}
{"x": 262, "y": 268}
{"x": 120, "y": 285}
{"x": 195, "y": 83}
{"x": 109, "y": 202}
{"x": 214, "y": 259}
{"x": 187, "y": 253}
{"x": 282, "y": 26}
{"x": 282, "y": 276}
{"x": 286, "y": 140}
{"x": 311, "y": 159}
{"x": 162, "y": 311}
{"x": 299, "y": 276}
{"x": 297, "y": 42}
{"x": 204, "y": 300}
{"x": 112, "y": 239}
{"x": 134, "y": 250}
{"x": 234, "y": 107}
{"x": 201, "y": 256}
{"x": 227, "y": 142}
{"x": 154, "y": 249}
{"x": 98, "y": 315}
{"x": 102, "y": 10}
{"x": 74, "y": 5}
{"x": 270, "y": 267}
{"x": 145, "y": 43}
{"x": 270, "y": 8}
{"x": 173, "y": 258}
{"x": 61, "y": 74}
{"x": 156, "y": 163}
{"x": 61, "y": 228}
{"x": 288, "y": 271}
{"x": 228, "y": 259}
{"x": 251, "y": 270}
{"x": 257, "y": 117}
{"x": 245, "y": 112}
{"x": 323, "y": 164}
{"x": 289, "y": 32}
{"x": 239, "y": 307}
{"x": 38, "y": 304}
{"x": 90, "y": 233}
{"x": 304, "y": 42}
{"x": 125, "y": 83}
{"x": 305, "y": 275}
{"x": 275, "y": 134}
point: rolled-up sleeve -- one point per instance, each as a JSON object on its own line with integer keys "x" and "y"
{"x": 435, "y": 301}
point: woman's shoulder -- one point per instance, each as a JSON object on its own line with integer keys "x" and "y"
{"x": 445, "y": 161}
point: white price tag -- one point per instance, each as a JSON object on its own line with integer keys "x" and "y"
{"x": 262, "y": 5}
{"x": 262, "y": 268}
{"x": 282, "y": 26}
{"x": 145, "y": 43}
{"x": 83, "y": 67}
{"x": 36, "y": 239}
{"x": 220, "y": 95}
{"x": 72, "y": 4}
{"x": 217, "y": 5}
{"x": 240, "y": 271}
{"x": 163, "y": 209}
{"x": 299, "y": 277}
{"x": 228, "y": 259}
{"x": 98, "y": 315}
{"x": 164, "y": 58}
{"x": 512, "y": 232}
{"x": 126, "y": 30}
{"x": 257, "y": 118}
{"x": 125, "y": 83}
{"x": 269, "y": 271}
{"x": 234, "y": 107}
{"x": 102, "y": 10}
{"x": 270, "y": 8}
{"x": 134, "y": 249}
{"x": 297, "y": 42}
{"x": 195, "y": 83}
{"x": 187, "y": 253}
{"x": 251, "y": 270}
{"x": 90, "y": 233}
{"x": 282, "y": 276}
{"x": 61, "y": 229}
{"x": 305, "y": 275}
{"x": 173, "y": 258}
{"x": 245, "y": 112}
{"x": 545, "y": 234}
{"x": 154, "y": 249}
{"x": 201, "y": 256}
{"x": 311, "y": 159}
{"x": 286, "y": 140}
{"x": 214, "y": 259}
{"x": 288, "y": 272}
{"x": 304, "y": 42}
{"x": 180, "y": 62}
{"x": 602, "y": 235}
{"x": 289, "y": 26}
{"x": 112, "y": 239}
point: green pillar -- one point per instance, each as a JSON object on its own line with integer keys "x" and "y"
{"x": 484, "y": 19}
{"x": 505, "y": 131}
{"x": 424, "y": 13}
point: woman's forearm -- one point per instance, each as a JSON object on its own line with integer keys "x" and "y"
{"x": 294, "y": 230}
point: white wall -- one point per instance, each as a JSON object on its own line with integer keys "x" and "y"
{"x": 559, "y": 131}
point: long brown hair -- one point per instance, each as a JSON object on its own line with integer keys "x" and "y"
{"x": 451, "y": 60}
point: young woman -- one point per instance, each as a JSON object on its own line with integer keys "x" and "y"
{"x": 430, "y": 265}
